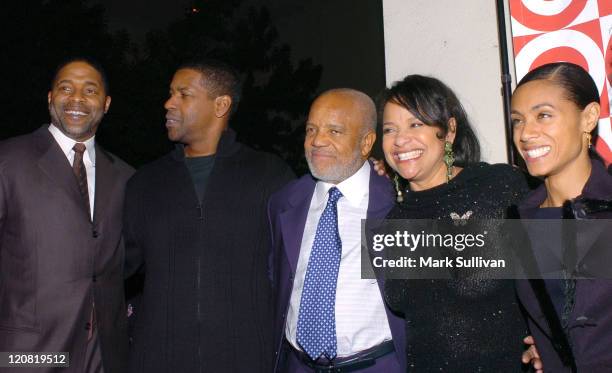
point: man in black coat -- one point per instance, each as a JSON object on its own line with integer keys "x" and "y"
{"x": 195, "y": 224}
{"x": 61, "y": 253}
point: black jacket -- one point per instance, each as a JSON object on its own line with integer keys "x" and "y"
{"x": 207, "y": 299}
{"x": 586, "y": 340}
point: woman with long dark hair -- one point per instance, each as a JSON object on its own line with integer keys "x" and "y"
{"x": 555, "y": 110}
{"x": 429, "y": 143}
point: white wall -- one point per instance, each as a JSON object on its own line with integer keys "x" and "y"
{"x": 456, "y": 42}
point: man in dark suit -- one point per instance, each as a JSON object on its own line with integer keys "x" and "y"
{"x": 326, "y": 315}
{"x": 61, "y": 253}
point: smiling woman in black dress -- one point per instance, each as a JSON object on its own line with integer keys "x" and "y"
{"x": 471, "y": 323}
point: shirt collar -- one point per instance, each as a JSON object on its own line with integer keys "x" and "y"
{"x": 66, "y": 143}
{"x": 353, "y": 189}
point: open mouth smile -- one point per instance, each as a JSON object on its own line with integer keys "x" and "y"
{"x": 413, "y": 154}
{"x": 76, "y": 113}
{"x": 538, "y": 152}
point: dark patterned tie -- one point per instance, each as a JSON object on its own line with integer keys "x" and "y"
{"x": 78, "y": 167}
{"x": 81, "y": 175}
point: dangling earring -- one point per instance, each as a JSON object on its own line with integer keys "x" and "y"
{"x": 588, "y": 136}
{"x": 400, "y": 197}
{"x": 449, "y": 159}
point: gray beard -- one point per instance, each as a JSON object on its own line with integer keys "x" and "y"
{"x": 338, "y": 173}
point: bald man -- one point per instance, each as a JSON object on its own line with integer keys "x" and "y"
{"x": 326, "y": 315}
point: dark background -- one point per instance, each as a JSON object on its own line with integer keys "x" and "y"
{"x": 287, "y": 51}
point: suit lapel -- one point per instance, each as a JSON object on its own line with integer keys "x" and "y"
{"x": 55, "y": 166}
{"x": 380, "y": 202}
{"x": 598, "y": 186}
{"x": 587, "y": 237}
{"x": 381, "y": 198}
{"x": 293, "y": 222}
{"x": 105, "y": 182}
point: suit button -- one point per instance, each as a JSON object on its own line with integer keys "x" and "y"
{"x": 94, "y": 234}
{"x": 88, "y": 326}
{"x": 94, "y": 279}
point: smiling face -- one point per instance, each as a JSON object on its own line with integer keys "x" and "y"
{"x": 549, "y": 130}
{"x": 78, "y": 101}
{"x": 336, "y": 143}
{"x": 413, "y": 149}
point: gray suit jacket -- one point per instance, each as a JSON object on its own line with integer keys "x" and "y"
{"x": 54, "y": 261}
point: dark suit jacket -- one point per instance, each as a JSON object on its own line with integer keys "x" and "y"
{"x": 55, "y": 262}
{"x": 590, "y": 322}
{"x": 287, "y": 211}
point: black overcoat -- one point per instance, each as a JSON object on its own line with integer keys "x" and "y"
{"x": 206, "y": 304}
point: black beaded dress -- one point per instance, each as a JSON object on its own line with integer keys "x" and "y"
{"x": 468, "y": 324}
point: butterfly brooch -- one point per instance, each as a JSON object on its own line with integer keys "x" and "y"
{"x": 461, "y": 219}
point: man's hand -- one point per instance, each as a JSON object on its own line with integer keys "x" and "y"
{"x": 379, "y": 167}
{"x": 531, "y": 355}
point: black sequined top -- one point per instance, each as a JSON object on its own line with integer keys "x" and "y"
{"x": 469, "y": 324}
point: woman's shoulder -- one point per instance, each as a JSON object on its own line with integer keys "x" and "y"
{"x": 496, "y": 170}
{"x": 599, "y": 184}
{"x": 500, "y": 174}
{"x": 496, "y": 184}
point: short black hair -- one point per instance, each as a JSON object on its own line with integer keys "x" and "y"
{"x": 576, "y": 81}
{"x": 88, "y": 60}
{"x": 434, "y": 103}
{"x": 218, "y": 78}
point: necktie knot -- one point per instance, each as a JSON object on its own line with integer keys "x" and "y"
{"x": 334, "y": 195}
{"x": 79, "y": 147}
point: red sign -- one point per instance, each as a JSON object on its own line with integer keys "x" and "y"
{"x": 577, "y": 31}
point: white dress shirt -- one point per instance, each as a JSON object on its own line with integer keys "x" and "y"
{"x": 361, "y": 320}
{"x": 89, "y": 159}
